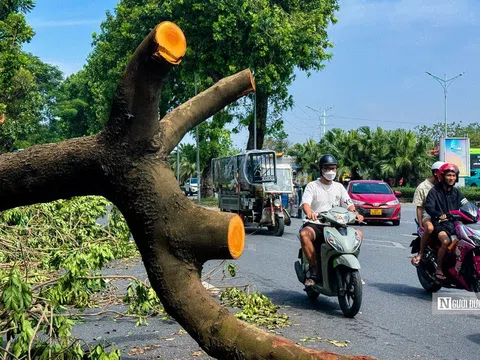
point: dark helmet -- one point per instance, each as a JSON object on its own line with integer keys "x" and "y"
{"x": 447, "y": 167}
{"x": 327, "y": 159}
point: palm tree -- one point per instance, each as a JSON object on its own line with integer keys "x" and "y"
{"x": 348, "y": 149}
{"x": 367, "y": 154}
{"x": 409, "y": 156}
{"x": 187, "y": 162}
{"x": 308, "y": 156}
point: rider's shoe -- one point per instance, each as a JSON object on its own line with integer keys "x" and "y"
{"x": 311, "y": 276}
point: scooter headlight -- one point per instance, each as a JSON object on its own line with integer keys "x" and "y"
{"x": 358, "y": 241}
{"x": 277, "y": 202}
{"x": 329, "y": 238}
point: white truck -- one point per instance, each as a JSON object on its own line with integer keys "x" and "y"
{"x": 191, "y": 186}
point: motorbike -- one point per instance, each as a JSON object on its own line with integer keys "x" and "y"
{"x": 337, "y": 261}
{"x": 461, "y": 265}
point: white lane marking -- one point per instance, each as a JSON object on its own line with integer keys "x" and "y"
{"x": 394, "y": 243}
{"x": 380, "y": 245}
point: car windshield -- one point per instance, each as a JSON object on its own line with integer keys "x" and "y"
{"x": 370, "y": 188}
{"x": 284, "y": 182}
{"x": 193, "y": 181}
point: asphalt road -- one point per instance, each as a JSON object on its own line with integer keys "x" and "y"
{"x": 395, "y": 321}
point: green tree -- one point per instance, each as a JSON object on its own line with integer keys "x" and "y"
{"x": 277, "y": 144}
{"x": 436, "y": 131}
{"x": 270, "y": 37}
{"x": 371, "y": 154}
{"x": 28, "y": 85}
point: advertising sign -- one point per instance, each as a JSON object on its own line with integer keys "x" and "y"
{"x": 456, "y": 151}
{"x": 474, "y": 158}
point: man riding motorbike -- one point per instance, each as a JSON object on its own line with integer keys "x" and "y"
{"x": 441, "y": 199}
{"x": 423, "y": 219}
{"x": 321, "y": 195}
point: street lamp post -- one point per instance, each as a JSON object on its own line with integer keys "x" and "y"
{"x": 445, "y": 84}
{"x": 198, "y": 151}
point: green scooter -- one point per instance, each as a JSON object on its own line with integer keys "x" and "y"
{"x": 337, "y": 260}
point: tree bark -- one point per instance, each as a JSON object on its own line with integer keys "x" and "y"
{"x": 127, "y": 163}
{"x": 208, "y": 189}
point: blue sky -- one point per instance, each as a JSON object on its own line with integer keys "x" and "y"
{"x": 375, "y": 78}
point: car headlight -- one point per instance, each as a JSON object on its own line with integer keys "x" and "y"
{"x": 333, "y": 242}
{"x": 358, "y": 241}
{"x": 277, "y": 202}
{"x": 393, "y": 202}
{"x": 357, "y": 202}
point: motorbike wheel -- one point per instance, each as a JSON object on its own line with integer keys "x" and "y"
{"x": 351, "y": 300}
{"x": 312, "y": 294}
{"x": 425, "y": 280}
{"x": 279, "y": 226}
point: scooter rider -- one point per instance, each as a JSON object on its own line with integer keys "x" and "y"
{"x": 442, "y": 198}
{"x": 423, "y": 219}
{"x": 321, "y": 195}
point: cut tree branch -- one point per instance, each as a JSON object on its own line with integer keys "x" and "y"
{"x": 135, "y": 105}
{"x": 182, "y": 119}
{"x": 49, "y": 172}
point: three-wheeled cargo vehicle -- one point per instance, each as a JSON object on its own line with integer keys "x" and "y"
{"x": 251, "y": 185}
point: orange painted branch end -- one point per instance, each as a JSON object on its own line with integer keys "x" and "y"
{"x": 171, "y": 42}
{"x": 252, "y": 81}
{"x": 236, "y": 237}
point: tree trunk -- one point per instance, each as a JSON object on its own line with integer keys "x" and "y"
{"x": 262, "y": 111}
{"x": 127, "y": 163}
{"x": 208, "y": 189}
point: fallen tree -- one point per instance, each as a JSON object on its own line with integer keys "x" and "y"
{"x": 127, "y": 163}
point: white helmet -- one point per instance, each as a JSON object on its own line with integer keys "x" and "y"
{"x": 436, "y": 165}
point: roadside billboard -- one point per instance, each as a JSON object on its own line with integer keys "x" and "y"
{"x": 456, "y": 150}
{"x": 474, "y": 158}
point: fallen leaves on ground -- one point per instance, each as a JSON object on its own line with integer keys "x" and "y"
{"x": 136, "y": 350}
{"x": 337, "y": 343}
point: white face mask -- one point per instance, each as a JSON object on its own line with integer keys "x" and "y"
{"x": 329, "y": 175}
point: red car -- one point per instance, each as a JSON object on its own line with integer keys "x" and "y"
{"x": 375, "y": 200}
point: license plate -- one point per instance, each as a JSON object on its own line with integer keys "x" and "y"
{"x": 375, "y": 211}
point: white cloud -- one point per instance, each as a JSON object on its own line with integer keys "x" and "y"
{"x": 63, "y": 23}
{"x": 399, "y": 13}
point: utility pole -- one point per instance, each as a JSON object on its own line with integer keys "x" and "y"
{"x": 198, "y": 150}
{"x": 254, "y": 116}
{"x": 445, "y": 84}
{"x": 323, "y": 119}
{"x": 178, "y": 164}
